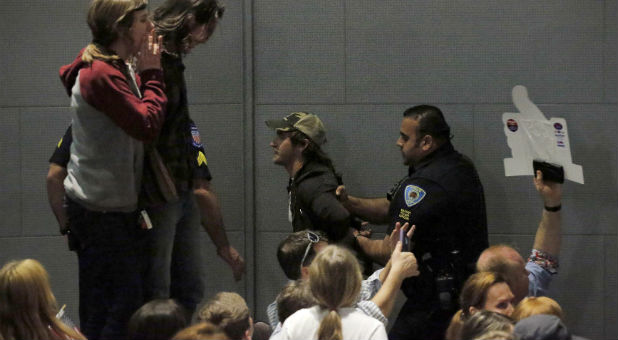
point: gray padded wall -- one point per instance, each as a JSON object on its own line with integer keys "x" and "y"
{"x": 358, "y": 64}
{"x": 38, "y": 37}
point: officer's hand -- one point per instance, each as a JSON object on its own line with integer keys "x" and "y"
{"x": 551, "y": 192}
{"x": 341, "y": 193}
{"x": 403, "y": 263}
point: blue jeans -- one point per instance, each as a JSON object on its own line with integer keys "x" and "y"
{"x": 176, "y": 261}
{"x": 110, "y": 250}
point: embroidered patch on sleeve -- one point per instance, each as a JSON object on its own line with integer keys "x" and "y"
{"x": 413, "y": 195}
{"x": 201, "y": 159}
{"x": 195, "y": 134}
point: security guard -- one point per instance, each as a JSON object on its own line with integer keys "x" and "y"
{"x": 443, "y": 196}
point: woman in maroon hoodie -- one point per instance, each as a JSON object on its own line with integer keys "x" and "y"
{"x": 114, "y": 112}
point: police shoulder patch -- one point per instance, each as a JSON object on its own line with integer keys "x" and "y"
{"x": 413, "y": 195}
{"x": 195, "y": 134}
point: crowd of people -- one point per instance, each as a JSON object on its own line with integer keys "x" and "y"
{"x": 130, "y": 187}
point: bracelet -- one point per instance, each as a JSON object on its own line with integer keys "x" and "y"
{"x": 554, "y": 209}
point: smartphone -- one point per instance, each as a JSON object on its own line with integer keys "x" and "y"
{"x": 551, "y": 172}
{"x": 405, "y": 241}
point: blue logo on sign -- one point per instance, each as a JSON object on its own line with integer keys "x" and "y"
{"x": 414, "y": 195}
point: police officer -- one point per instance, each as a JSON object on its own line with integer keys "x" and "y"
{"x": 443, "y": 196}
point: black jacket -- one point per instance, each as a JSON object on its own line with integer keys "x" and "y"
{"x": 313, "y": 202}
{"x": 443, "y": 197}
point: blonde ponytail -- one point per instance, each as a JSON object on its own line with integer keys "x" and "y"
{"x": 95, "y": 51}
{"x": 335, "y": 282}
{"x": 330, "y": 327}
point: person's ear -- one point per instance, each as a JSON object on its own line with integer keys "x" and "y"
{"x": 427, "y": 142}
{"x": 473, "y": 310}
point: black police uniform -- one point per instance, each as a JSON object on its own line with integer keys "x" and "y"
{"x": 444, "y": 198}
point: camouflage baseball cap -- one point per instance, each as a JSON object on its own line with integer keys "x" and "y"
{"x": 307, "y": 123}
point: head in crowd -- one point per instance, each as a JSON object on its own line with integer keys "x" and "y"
{"x": 201, "y": 331}
{"x": 157, "y": 320}
{"x": 261, "y": 331}
{"x": 493, "y": 335}
{"x": 27, "y": 305}
{"x": 509, "y": 263}
{"x": 542, "y": 327}
{"x": 485, "y": 321}
{"x": 485, "y": 291}
{"x": 423, "y": 130}
{"x": 185, "y": 24}
{"x": 295, "y": 295}
{"x": 537, "y": 305}
{"x": 116, "y": 24}
{"x": 335, "y": 282}
{"x": 300, "y": 135}
{"x": 292, "y": 249}
{"x": 228, "y": 311}
{"x": 454, "y": 327}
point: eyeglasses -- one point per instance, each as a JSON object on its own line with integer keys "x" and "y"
{"x": 313, "y": 239}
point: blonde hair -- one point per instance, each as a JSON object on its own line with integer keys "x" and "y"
{"x": 454, "y": 328}
{"x": 27, "y": 305}
{"x": 109, "y": 20}
{"x": 537, "y": 305}
{"x": 228, "y": 311}
{"x": 335, "y": 282}
{"x": 474, "y": 291}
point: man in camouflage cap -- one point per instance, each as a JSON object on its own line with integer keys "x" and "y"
{"x": 313, "y": 179}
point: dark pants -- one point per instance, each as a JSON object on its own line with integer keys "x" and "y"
{"x": 421, "y": 321}
{"x": 111, "y": 254}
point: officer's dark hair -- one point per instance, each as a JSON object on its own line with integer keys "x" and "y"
{"x": 430, "y": 122}
{"x": 313, "y": 152}
{"x": 291, "y": 250}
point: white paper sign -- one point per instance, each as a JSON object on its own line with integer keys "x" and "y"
{"x": 532, "y": 136}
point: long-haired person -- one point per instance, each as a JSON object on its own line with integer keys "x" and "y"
{"x": 176, "y": 260}
{"x": 28, "y": 306}
{"x": 335, "y": 281}
{"x": 482, "y": 291}
{"x": 114, "y": 112}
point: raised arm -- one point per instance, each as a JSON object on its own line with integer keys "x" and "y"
{"x": 549, "y": 235}
{"x": 402, "y": 265}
